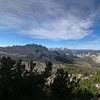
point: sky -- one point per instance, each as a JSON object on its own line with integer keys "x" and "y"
{"x": 52, "y": 23}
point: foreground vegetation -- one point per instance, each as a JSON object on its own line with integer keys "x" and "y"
{"x": 19, "y": 83}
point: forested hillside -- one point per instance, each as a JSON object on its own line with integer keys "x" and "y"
{"x": 19, "y": 83}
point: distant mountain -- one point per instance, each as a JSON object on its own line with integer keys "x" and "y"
{"x": 56, "y": 55}
{"x": 74, "y": 51}
{"x": 34, "y": 52}
{"x": 90, "y": 56}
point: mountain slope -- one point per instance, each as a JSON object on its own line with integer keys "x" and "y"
{"x": 34, "y": 52}
{"x": 90, "y": 56}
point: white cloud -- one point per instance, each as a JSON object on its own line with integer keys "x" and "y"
{"x": 56, "y": 20}
{"x": 96, "y": 41}
{"x": 62, "y": 29}
{"x": 10, "y": 21}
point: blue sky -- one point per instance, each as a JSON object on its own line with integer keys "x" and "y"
{"x": 52, "y": 23}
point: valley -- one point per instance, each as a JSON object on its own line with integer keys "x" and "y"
{"x": 82, "y": 68}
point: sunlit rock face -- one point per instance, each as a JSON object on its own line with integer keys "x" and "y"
{"x": 97, "y": 59}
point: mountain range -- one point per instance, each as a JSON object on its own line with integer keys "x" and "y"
{"x": 56, "y": 55}
{"x": 86, "y": 55}
{"x": 74, "y": 51}
{"x": 34, "y": 52}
